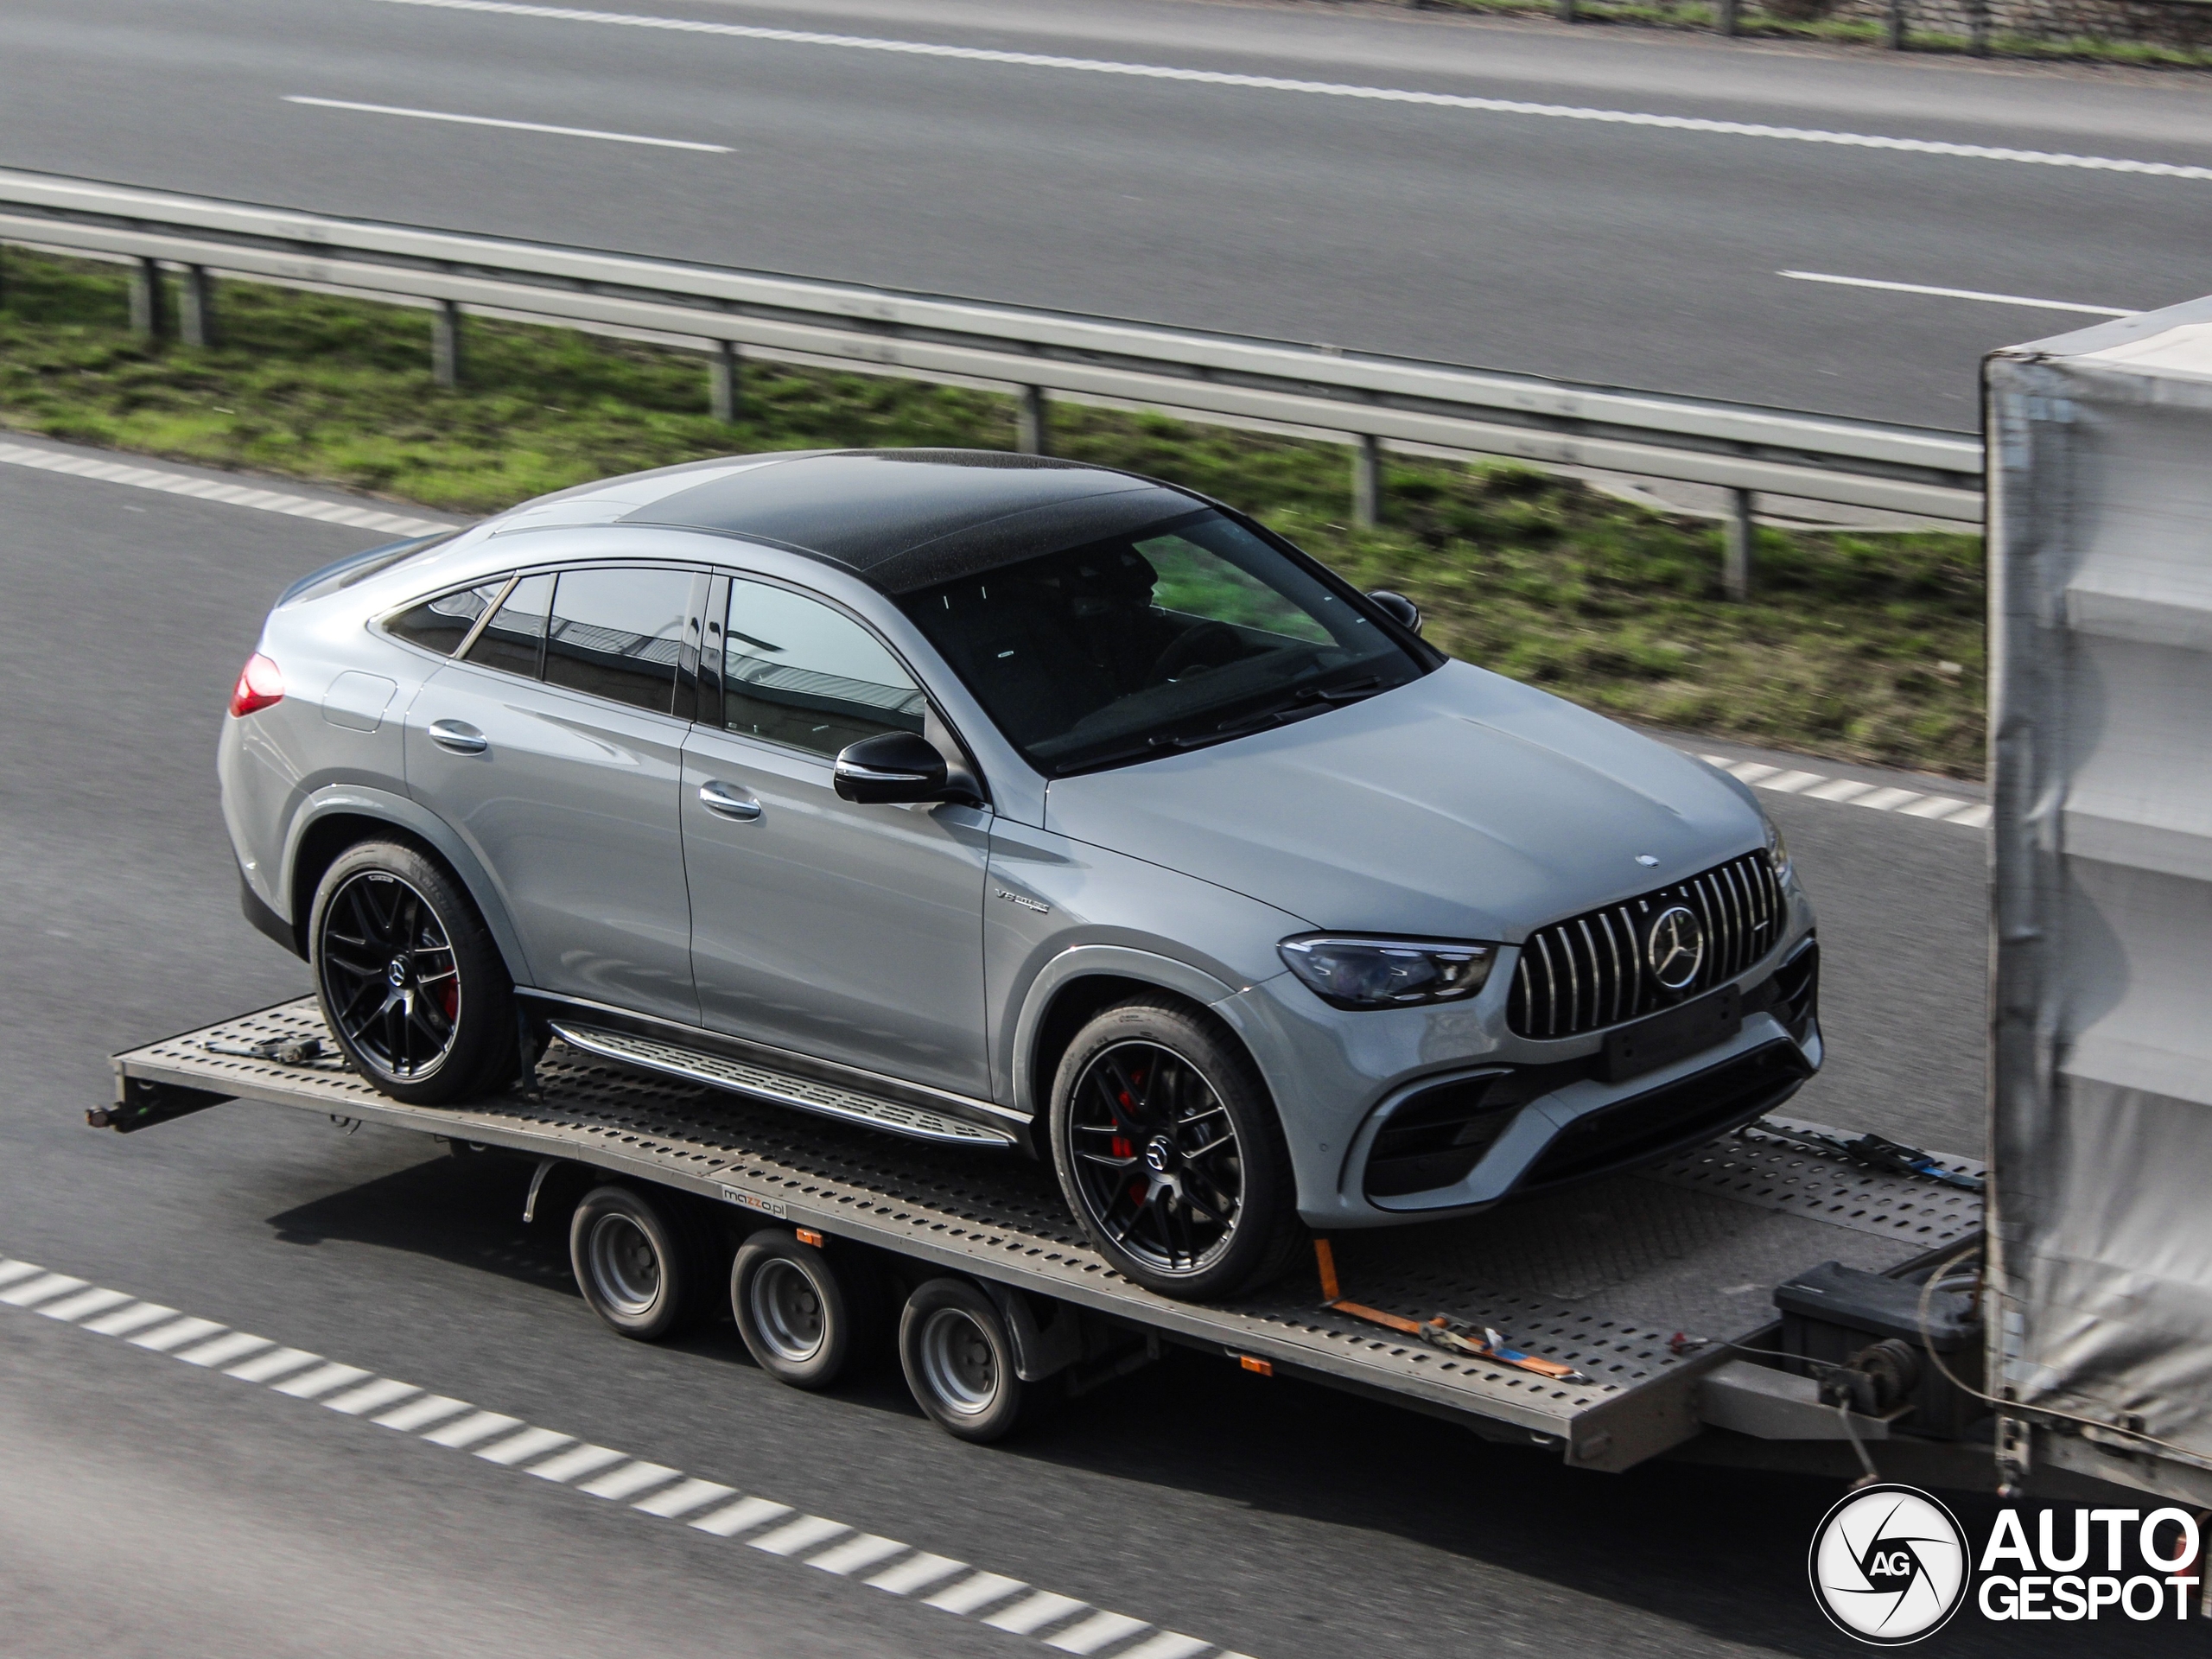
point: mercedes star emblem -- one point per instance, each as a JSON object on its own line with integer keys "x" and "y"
{"x": 1674, "y": 947}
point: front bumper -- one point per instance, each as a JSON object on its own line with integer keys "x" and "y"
{"x": 1443, "y": 1112}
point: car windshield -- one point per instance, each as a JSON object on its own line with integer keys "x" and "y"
{"x": 1191, "y": 631}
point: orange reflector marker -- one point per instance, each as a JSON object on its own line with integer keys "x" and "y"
{"x": 1253, "y": 1363}
{"x": 808, "y": 1236}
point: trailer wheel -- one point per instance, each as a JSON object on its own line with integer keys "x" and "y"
{"x": 804, "y": 1315}
{"x": 638, "y": 1264}
{"x": 958, "y": 1357}
{"x": 411, "y": 983}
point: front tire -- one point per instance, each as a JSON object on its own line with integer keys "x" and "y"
{"x": 411, "y": 983}
{"x": 1170, "y": 1154}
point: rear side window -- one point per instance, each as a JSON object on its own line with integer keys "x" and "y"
{"x": 442, "y": 623}
{"x": 512, "y": 640}
{"x": 795, "y": 671}
{"x": 617, "y": 634}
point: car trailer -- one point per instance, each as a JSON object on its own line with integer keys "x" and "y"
{"x": 1625, "y": 1317}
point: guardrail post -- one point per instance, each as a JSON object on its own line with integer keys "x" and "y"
{"x": 721, "y": 381}
{"x": 1566, "y": 10}
{"x": 1367, "y": 480}
{"x": 1893, "y": 27}
{"x": 196, "y": 307}
{"x": 150, "y": 310}
{"x": 1736, "y": 546}
{"x": 1977, "y": 28}
{"x": 1726, "y": 20}
{"x": 445, "y": 343}
{"x": 1029, "y": 433}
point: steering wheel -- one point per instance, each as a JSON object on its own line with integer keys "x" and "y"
{"x": 1210, "y": 643}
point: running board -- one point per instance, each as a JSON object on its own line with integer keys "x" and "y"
{"x": 759, "y": 1082}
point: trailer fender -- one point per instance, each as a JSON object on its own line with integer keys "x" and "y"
{"x": 1039, "y": 1352}
{"x": 361, "y": 801}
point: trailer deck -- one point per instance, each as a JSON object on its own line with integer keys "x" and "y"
{"x": 1603, "y": 1277}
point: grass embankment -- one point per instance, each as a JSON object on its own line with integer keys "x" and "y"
{"x": 1863, "y": 647}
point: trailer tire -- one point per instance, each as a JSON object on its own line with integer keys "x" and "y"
{"x": 411, "y": 983}
{"x": 639, "y": 1262}
{"x": 1170, "y": 1154}
{"x": 959, "y": 1360}
{"x": 805, "y": 1315}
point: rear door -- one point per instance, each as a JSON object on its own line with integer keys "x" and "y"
{"x": 851, "y": 933}
{"x": 553, "y": 746}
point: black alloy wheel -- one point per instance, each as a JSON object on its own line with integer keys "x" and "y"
{"x": 394, "y": 987}
{"x": 412, "y": 984}
{"x": 1168, "y": 1150}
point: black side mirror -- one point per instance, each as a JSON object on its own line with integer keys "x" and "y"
{"x": 893, "y": 766}
{"x": 1399, "y": 608}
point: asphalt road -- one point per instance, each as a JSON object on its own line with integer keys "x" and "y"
{"x": 146, "y": 1507}
{"x": 1592, "y": 249}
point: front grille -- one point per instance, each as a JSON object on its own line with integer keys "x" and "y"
{"x": 1591, "y": 971}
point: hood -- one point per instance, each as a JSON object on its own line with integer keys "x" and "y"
{"x": 1464, "y": 806}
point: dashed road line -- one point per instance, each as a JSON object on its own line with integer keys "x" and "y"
{"x": 1063, "y": 1623}
{"x": 1814, "y": 786}
{"x": 206, "y": 489}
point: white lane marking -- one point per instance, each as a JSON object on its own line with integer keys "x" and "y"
{"x": 167, "y": 1338}
{"x": 415, "y": 1415}
{"x": 1957, "y": 294}
{"x": 43, "y": 1288}
{"x": 225, "y": 1350}
{"x": 467, "y": 1431}
{"x": 269, "y": 1367}
{"x": 73, "y": 1308}
{"x": 369, "y": 1396}
{"x": 1027, "y": 1616}
{"x": 530, "y": 1443}
{"x": 1325, "y": 88}
{"x": 512, "y": 126}
{"x": 1812, "y": 786}
{"x": 581, "y": 1460}
{"x": 742, "y": 1516}
{"x": 237, "y": 495}
{"x": 1099, "y": 1630}
{"x": 324, "y": 1379}
{"x": 972, "y": 1593}
{"x": 802, "y": 1534}
{"x": 684, "y": 1498}
{"x": 351, "y": 1391}
{"x": 124, "y": 1321}
{"x": 857, "y": 1554}
{"x": 910, "y": 1576}
{"x": 628, "y": 1482}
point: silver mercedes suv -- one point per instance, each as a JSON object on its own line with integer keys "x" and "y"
{"x": 1019, "y": 804}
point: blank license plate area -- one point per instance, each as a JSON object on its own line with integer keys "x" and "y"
{"x": 1653, "y": 1042}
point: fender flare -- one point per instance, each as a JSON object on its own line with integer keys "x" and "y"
{"x": 360, "y": 800}
{"x": 1081, "y": 961}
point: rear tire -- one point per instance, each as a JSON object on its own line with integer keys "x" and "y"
{"x": 410, "y": 982}
{"x": 959, "y": 1360}
{"x": 640, "y": 1264}
{"x": 1170, "y": 1154}
{"x": 805, "y": 1316}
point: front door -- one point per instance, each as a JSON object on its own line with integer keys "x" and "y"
{"x": 850, "y": 933}
{"x": 553, "y": 748}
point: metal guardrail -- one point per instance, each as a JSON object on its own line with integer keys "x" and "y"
{"x": 1370, "y": 398}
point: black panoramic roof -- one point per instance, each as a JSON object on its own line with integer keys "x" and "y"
{"x": 908, "y": 518}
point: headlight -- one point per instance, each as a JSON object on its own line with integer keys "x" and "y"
{"x": 1360, "y": 973}
{"x": 1778, "y": 852}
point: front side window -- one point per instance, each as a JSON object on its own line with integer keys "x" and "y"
{"x": 617, "y": 634}
{"x": 442, "y": 623}
{"x": 1192, "y": 632}
{"x": 796, "y": 671}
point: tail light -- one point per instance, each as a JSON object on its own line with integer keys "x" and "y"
{"x": 261, "y": 683}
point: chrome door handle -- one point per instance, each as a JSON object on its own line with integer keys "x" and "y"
{"x": 458, "y": 736}
{"x": 728, "y": 801}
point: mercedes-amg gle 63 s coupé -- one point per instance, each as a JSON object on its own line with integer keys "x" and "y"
{"x": 1028, "y": 806}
